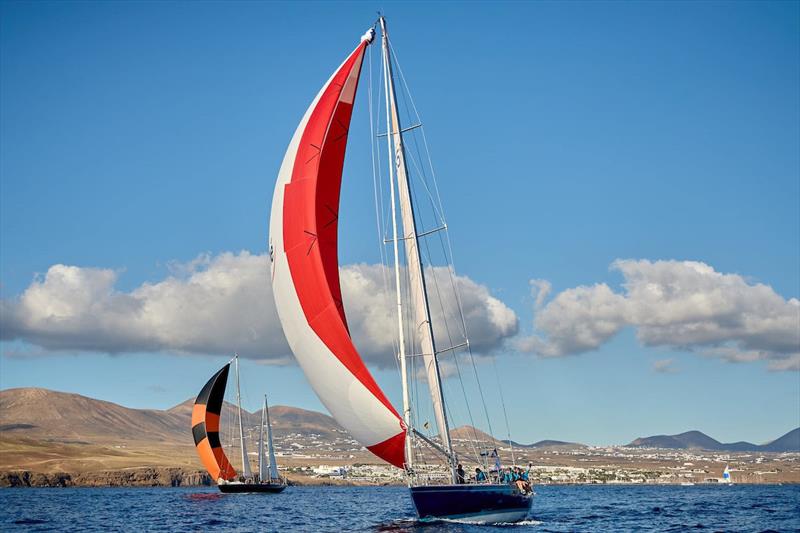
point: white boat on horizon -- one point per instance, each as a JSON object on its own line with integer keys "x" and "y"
{"x": 726, "y": 476}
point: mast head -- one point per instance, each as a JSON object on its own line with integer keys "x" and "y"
{"x": 369, "y": 36}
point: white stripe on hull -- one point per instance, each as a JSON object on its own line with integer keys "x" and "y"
{"x": 494, "y": 517}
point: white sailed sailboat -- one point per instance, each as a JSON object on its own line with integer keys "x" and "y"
{"x": 305, "y": 278}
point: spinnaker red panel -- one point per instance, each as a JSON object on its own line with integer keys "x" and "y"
{"x": 205, "y": 426}
{"x": 303, "y": 247}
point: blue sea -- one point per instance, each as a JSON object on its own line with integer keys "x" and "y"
{"x": 389, "y": 509}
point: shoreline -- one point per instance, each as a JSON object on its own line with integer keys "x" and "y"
{"x": 168, "y": 477}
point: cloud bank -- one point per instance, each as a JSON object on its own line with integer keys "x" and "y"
{"x": 683, "y": 305}
{"x": 218, "y": 305}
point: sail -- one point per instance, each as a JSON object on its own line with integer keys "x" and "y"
{"x": 205, "y": 426}
{"x": 273, "y": 465}
{"x": 243, "y": 446}
{"x": 305, "y": 268}
{"x": 416, "y": 278}
{"x": 262, "y": 469}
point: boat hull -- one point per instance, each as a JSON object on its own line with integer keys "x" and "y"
{"x": 471, "y": 503}
{"x": 238, "y": 488}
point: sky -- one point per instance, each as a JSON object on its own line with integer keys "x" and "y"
{"x": 621, "y": 182}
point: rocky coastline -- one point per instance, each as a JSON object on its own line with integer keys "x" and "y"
{"x": 132, "y": 477}
{"x": 146, "y": 477}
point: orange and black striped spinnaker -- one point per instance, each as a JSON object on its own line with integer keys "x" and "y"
{"x": 205, "y": 426}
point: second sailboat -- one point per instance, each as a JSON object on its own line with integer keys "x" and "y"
{"x": 206, "y": 418}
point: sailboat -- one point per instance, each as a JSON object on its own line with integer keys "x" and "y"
{"x": 726, "y": 475}
{"x": 305, "y": 278}
{"x": 206, "y": 416}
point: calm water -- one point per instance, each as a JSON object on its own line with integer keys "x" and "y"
{"x": 556, "y": 508}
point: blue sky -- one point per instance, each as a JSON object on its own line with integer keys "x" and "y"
{"x": 136, "y": 136}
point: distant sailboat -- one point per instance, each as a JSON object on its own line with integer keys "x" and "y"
{"x": 726, "y": 475}
{"x": 206, "y": 427}
{"x": 306, "y": 286}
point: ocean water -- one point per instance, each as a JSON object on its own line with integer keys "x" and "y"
{"x": 389, "y": 509}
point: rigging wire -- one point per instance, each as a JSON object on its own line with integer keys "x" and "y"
{"x": 382, "y": 220}
{"x": 444, "y": 321}
{"x": 377, "y": 187}
{"x": 451, "y": 269}
{"x": 382, "y": 226}
{"x": 503, "y": 403}
{"x": 452, "y": 260}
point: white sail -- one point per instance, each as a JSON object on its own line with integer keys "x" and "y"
{"x": 273, "y": 465}
{"x": 245, "y": 461}
{"x": 262, "y": 470}
{"x": 419, "y": 297}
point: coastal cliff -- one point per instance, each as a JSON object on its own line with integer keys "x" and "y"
{"x": 133, "y": 477}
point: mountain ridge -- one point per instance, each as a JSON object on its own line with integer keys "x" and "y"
{"x": 697, "y": 440}
{"x": 34, "y": 412}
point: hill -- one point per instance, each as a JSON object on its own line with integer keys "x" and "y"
{"x": 68, "y": 417}
{"x": 51, "y": 415}
{"x": 469, "y": 433}
{"x": 472, "y": 434}
{"x": 697, "y": 440}
{"x": 283, "y": 418}
{"x": 551, "y": 443}
{"x": 788, "y": 443}
{"x": 48, "y": 431}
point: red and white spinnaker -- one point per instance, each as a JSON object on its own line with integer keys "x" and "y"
{"x": 305, "y": 268}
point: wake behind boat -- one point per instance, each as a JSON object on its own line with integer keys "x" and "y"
{"x": 305, "y": 277}
{"x": 206, "y": 416}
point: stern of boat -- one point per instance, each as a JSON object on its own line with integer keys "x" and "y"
{"x": 489, "y": 504}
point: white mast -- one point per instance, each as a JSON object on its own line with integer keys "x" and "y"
{"x": 273, "y": 465}
{"x": 245, "y": 462}
{"x": 395, "y": 241}
{"x": 261, "y": 469}
{"x": 419, "y": 295}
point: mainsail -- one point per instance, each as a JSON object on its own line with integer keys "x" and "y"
{"x": 416, "y": 277}
{"x": 305, "y": 268}
{"x": 273, "y": 464}
{"x": 266, "y": 471}
{"x": 205, "y": 426}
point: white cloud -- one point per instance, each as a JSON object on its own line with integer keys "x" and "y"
{"x": 576, "y": 320}
{"x": 216, "y": 305}
{"x": 677, "y": 304}
{"x": 664, "y": 366}
{"x": 540, "y": 290}
{"x": 791, "y": 363}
